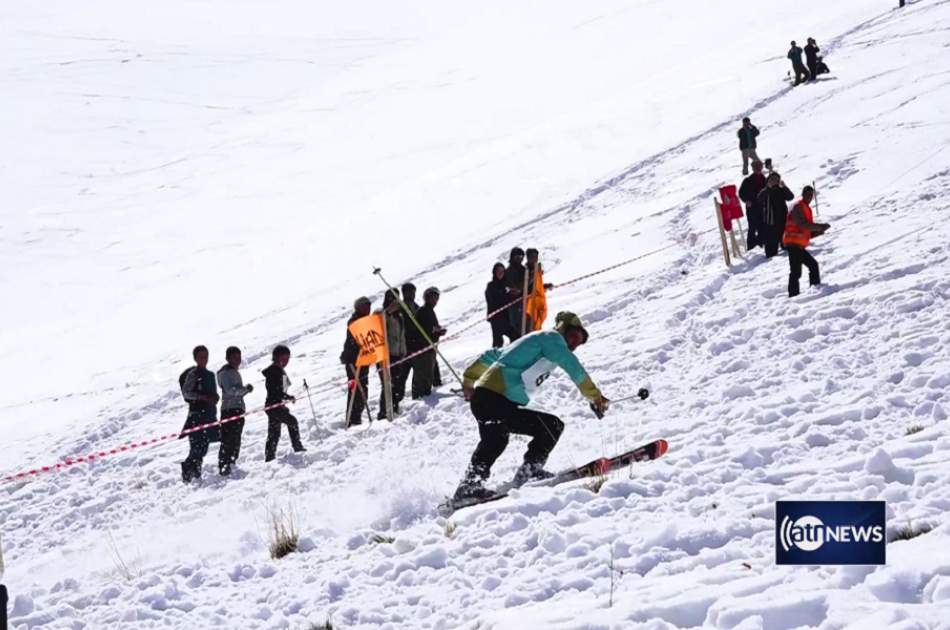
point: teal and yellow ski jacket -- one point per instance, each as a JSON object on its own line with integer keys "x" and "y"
{"x": 523, "y": 366}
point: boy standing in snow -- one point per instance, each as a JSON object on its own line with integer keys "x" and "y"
{"x": 277, "y": 384}
{"x": 503, "y": 390}
{"x": 799, "y": 229}
{"x": 747, "y": 143}
{"x": 233, "y": 391}
{"x": 423, "y": 366}
{"x": 199, "y": 389}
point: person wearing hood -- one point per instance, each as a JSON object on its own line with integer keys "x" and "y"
{"x": 502, "y": 393}
{"x": 233, "y": 391}
{"x": 396, "y": 341}
{"x": 515, "y": 275}
{"x": 773, "y": 200}
{"x": 423, "y": 365}
{"x": 277, "y": 384}
{"x": 497, "y": 296}
{"x": 357, "y": 393}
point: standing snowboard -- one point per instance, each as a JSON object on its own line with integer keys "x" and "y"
{"x": 601, "y": 466}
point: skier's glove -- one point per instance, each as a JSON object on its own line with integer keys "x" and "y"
{"x": 599, "y": 407}
{"x": 249, "y": 388}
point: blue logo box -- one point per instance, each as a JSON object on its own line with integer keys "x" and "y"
{"x": 830, "y": 532}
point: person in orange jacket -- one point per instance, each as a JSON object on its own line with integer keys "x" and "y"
{"x": 800, "y": 227}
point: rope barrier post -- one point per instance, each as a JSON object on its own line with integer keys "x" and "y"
{"x": 313, "y": 412}
{"x": 722, "y": 232}
{"x": 386, "y": 373}
{"x": 379, "y": 272}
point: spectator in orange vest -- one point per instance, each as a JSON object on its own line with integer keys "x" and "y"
{"x": 800, "y": 227}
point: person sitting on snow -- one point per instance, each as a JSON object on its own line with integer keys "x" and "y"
{"x": 501, "y": 395}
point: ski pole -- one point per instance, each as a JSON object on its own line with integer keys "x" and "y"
{"x": 309, "y": 398}
{"x": 642, "y": 394}
{"x": 379, "y": 272}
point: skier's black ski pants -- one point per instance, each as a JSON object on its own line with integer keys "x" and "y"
{"x": 275, "y": 418}
{"x": 497, "y": 418}
{"x": 356, "y": 397}
{"x": 231, "y": 433}
{"x": 198, "y": 448}
{"x": 798, "y": 256}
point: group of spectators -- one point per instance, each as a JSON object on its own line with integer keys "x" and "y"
{"x": 410, "y": 329}
{"x": 815, "y": 63}
{"x": 770, "y": 223}
{"x": 506, "y": 296}
{"x": 199, "y": 387}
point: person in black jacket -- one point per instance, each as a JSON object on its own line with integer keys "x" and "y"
{"x": 515, "y": 275}
{"x": 356, "y": 400}
{"x": 497, "y": 295}
{"x": 747, "y": 143}
{"x": 277, "y": 384}
{"x": 773, "y": 200}
{"x": 412, "y": 334}
{"x": 422, "y": 365}
{"x": 199, "y": 389}
{"x": 795, "y": 56}
{"x": 811, "y": 57}
{"x": 749, "y": 194}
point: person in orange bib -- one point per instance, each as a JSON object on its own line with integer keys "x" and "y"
{"x": 800, "y": 227}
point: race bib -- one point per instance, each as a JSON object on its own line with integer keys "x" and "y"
{"x": 535, "y": 375}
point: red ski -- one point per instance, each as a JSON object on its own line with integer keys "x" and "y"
{"x": 601, "y": 466}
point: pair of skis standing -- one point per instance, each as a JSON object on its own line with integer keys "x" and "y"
{"x": 498, "y": 386}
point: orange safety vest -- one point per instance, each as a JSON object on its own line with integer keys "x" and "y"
{"x": 795, "y": 234}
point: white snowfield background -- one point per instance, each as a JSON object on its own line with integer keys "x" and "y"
{"x": 224, "y": 173}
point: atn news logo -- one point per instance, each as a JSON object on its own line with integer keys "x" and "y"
{"x": 830, "y": 532}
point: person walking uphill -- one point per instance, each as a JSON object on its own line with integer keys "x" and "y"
{"x": 198, "y": 388}
{"x": 502, "y": 393}
{"x": 277, "y": 384}
{"x": 423, "y": 366}
{"x": 358, "y": 378}
{"x": 749, "y": 194}
{"x": 795, "y": 56}
{"x": 497, "y": 296}
{"x": 799, "y": 230}
{"x": 233, "y": 391}
{"x": 747, "y": 143}
{"x": 773, "y": 200}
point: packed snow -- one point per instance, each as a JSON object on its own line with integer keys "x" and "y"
{"x": 223, "y": 174}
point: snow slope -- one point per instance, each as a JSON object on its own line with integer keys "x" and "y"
{"x": 762, "y": 398}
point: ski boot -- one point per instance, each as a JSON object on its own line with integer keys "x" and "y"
{"x": 530, "y": 471}
{"x": 471, "y": 488}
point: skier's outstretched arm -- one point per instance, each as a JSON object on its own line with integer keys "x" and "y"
{"x": 555, "y": 350}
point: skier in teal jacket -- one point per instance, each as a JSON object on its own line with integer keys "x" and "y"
{"x": 503, "y": 389}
